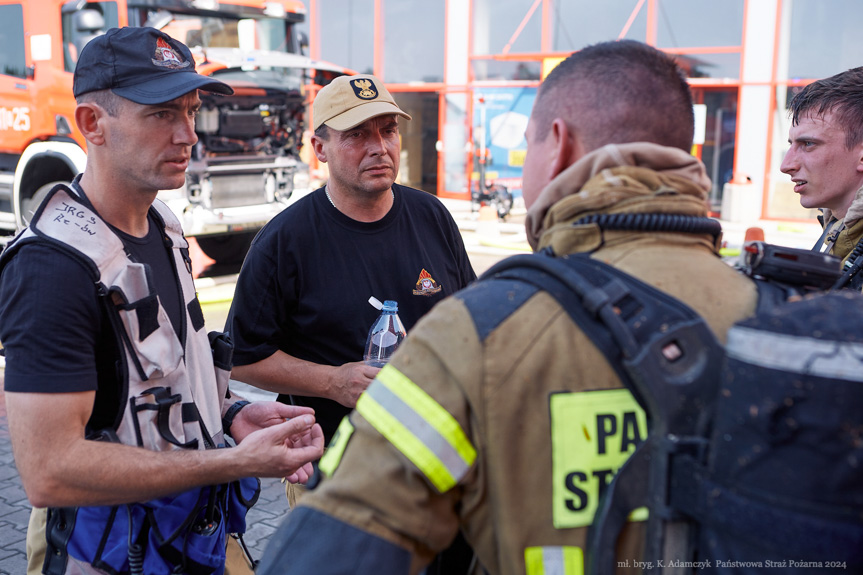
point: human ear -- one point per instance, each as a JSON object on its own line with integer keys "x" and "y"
{"x": 318, "y": 149}
{"x": 565, "y": 150}
{"x": 87, "y": 118}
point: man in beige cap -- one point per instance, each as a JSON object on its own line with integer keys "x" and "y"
{"x": 300, "y": 314}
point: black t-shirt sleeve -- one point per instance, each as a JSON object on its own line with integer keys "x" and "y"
{"x": 49, "y": 322}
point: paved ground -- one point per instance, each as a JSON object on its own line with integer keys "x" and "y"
{"x": 487, "y": 242}
{"x": 14, "y": 509}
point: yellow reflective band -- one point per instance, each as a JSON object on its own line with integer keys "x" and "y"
{"x": 406, "y": 442}
{"x": 418, "y": 427}
{"x": 593, "y": 433}
{"x": 428, "y": 409}
{"x": 333, "y": 455}
{"x": 554, "y": 561}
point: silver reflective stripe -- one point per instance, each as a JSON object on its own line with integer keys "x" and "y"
{"x": 797, "y": 354}
{"x": 422, "y": 430}
{"x": 552, "y": 561}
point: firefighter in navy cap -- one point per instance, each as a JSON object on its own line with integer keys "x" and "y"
{"x": 117, "y": 398}
{"x": 298, "y": 327}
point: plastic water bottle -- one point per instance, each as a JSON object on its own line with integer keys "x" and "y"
{"x": 385, "y": 335}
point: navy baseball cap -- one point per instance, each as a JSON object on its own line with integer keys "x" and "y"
{"x": 143, "y": 65}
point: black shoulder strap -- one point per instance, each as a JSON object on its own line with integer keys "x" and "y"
{"x": 627, "y": 319}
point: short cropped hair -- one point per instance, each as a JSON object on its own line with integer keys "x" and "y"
{"x": 841, "y": 95}
{"x": 619, "y": 92}
{"x": 323, "y": 132}
{"x": 105, "y": 99}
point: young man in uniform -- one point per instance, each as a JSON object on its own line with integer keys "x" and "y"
{"x": 462, "y": 429}
{"x": 825, "y": 160}
{"x": 117, "y": 400}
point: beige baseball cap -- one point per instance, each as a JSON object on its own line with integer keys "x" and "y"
{"x": 348, "y": 101}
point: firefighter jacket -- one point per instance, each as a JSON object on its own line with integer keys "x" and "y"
{"x": 498, "y": 416}
{"x": 175, "y": 396}
{"x": 842, "y": 235}
{"x": 847, "y": 239}
{"x": 851, "y": 227}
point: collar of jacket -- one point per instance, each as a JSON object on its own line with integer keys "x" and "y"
{"x": 854, "y": 213}
{"x": 626, "y": 178}
{"x": 847, "y": 239}
{"x": 666, "y": 172}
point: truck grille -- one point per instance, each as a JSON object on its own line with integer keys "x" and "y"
{"x": 238, "y": 190}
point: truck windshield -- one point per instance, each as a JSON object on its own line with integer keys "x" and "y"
{"x": 198, "y": 31}
{"x": 82, "y": 24}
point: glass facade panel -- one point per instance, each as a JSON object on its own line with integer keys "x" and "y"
{"x": 825, "y": 37}
{"x": 720, "y": 128}
{"x": 454, "y": 138}
{"x": 506, "y": 70}
{"x": 499, "y": 121}
{"x": 691, "y": 23}
{"x": 347, "y": 33}
{"x": 413, "y": 53}
{"x": 578, "y": 23}
{"x": 495, "y": 23}
{"x": 710, "y": 65}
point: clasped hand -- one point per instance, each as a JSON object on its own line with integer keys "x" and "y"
{"x": 283, "y": 440}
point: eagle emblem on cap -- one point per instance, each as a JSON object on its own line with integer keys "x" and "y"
{"x": 167, "y": 57}
{"x": 364, "y": 89}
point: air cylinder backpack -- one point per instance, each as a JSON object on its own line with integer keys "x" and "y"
{"x": 754, "y": 457}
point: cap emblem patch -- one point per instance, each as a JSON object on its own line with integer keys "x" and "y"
{"x": 364, "y": 89}
{"x": 167, "y": 57}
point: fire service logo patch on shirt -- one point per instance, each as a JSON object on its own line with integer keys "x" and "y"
{"x": 426, "y": 284}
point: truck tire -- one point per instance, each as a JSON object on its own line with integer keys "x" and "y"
{"x": 31, "y": 204}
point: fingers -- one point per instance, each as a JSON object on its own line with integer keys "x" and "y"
{"x": 365, "y": 371}
{"x": 296, "y": 434}
{"x": 370, "y": 371}
{"x": 308, "y": 441}
{"x": 294, "y": 427}
{"x": 301, "y": 475}
{"x": 317, "y": 435}
{"x": 291, "y": 411}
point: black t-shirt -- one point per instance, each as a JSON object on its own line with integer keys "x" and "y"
{"x": 54, "y": 327}
{"x": 306, "y": 281}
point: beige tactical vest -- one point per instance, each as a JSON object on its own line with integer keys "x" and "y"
{"x": 174, "y": 392}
